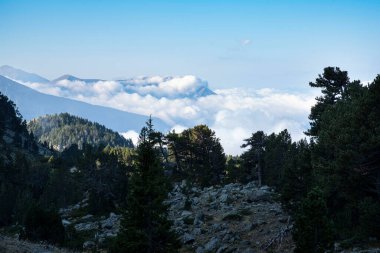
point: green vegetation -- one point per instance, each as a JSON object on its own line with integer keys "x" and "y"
{"x": 146, "y": 227}
{"x": 60, "y": 131}
{"x": 197, "y": 155}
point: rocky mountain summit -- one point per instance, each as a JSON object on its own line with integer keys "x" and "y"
{"x": 230, "y": 218}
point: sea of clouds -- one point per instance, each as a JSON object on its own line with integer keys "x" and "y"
{"x": 234, "y": 114}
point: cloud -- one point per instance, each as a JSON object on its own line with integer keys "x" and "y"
{"x": 134, "y": 136}
{"x": 246, "y": 42}
{"x": 234, "y": 114}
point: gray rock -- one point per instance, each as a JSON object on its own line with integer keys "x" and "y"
{"x": 86, "y": 226}
{"x": 87, "y": 217}
{"x": 224, "y": 198}
{"x": 258, "y": 195}
{"x": 188, "y": 238}
{"x": 212, "y": 245}
{"x": 222, "y": 249}
{"x": 65, "y": 222}
{"x": 89, "y": 245}
{"x": 200, "y": 250}
{"x": 248, "y": 250}
{"x": 250, "y": 226}
{"x": 197, "y": 231}
{"x": 186, "y": 213}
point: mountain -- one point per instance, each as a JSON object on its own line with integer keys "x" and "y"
{"x": 20, "y": 75}
{"x": 33, "y": 104}
{"x": 74, "y": 78}
{"x": 63, "y": 130}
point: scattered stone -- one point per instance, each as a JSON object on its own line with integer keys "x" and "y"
{"x": 188, "y": 238}
{"x": 212, "y": 244}
{"x": 89, "y": 245}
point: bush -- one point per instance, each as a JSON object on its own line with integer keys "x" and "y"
{"x": 43, "y": 225}
{"x": 369, "y": 218}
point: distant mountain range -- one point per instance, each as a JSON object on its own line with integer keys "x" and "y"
{"x": 156, "y": 86}
{"x": 33, "y": 104}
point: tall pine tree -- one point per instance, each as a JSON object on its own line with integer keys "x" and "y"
{"x": 145, "y": 226}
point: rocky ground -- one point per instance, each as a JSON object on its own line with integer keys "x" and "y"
{"x": 12, "y": 245}
{"x": 95, "y": 230}
{"x": 232, "y": 218}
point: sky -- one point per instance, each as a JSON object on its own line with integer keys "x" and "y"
{"x": 255, "y": 44}
{"x": 257, "y": 56}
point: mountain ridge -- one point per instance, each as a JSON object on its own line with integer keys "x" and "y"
{"x": 33, "y": 104}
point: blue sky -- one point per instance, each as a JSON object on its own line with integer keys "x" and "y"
{"x": 256, "y": 44}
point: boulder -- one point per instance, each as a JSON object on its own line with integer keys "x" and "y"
{"x": 87, "y": 245}
{"x": 212, "y": 245}
{"x": 188, "y": 238}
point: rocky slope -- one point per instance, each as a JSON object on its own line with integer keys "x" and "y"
{"x": 12, "y": 245}
{"x": 232, "y": 218}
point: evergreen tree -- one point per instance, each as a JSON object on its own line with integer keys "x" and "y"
{"x": 198, "y": 155}
{"x": 313, "y": 229}
{"x": 145, "y": 226}
{"x": 333, "y": 83}
{"x": 253, "y": 157}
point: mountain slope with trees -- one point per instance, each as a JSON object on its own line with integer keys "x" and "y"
{"x": 60, "y": 131}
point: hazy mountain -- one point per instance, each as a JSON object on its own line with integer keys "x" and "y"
{"x": 74, "y": 78}
{"x": 20, "y": 75}
{"x": 33, "y": 104}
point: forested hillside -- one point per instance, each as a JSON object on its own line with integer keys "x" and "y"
{"x": 60, "y": 131}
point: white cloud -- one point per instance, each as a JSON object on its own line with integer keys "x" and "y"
{"x": 246, "y": 42}
{"x": 134, "y": 136}
{"x": 233, "y": 113}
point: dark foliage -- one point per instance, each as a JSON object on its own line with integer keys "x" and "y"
{"x": 145, "y": 227}
{"x": 43, "y": 225}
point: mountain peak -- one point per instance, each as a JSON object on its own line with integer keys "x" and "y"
{"x": 66, "y": 77}
{"x": 21, "y": 75}
{"x": 72, "y": 78}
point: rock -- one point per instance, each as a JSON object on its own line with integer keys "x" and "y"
{"x": 216, "y": 227}
{"x": 248, "y": 250}
{"x": 183, "y": 184}
{"x": 337, "y": 247}
{"x": 65, "y": 222}
{"x": 200, "y": 250}
{"x": 87, "y": 217}
{"x": 224, "y": 198}
{"x": 188, "y": 238}
{"x": 113, "y": 222}
{"x": 283, "y": 219}
{"x": 250, "y": 226}
{"x": 89, "y": 245}
{"x": 212, "y": 245}
{"x": 86, "y": 226}
{"x": 197, "y": 231}
{"x": 258, "y": 195}
{"x": 222, "y": 249}
{"x": 186, "y": 213}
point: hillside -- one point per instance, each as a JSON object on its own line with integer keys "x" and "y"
{"x": 63, "y": 130}
{"x": 33, "y": 104}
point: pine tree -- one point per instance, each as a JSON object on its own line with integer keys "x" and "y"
{"x": 313, "y": 230}
{"x": 145, "y": 226}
